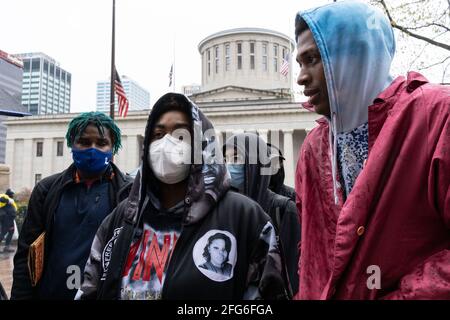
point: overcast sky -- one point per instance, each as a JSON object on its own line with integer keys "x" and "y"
{"x": 77, "y": 34}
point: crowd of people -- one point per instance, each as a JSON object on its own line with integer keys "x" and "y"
{"x": 207, "y": 221}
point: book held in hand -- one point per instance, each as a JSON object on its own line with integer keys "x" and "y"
{"x": 36, "y": 259}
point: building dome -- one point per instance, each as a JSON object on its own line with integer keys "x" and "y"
{"x": 246, "y": 57}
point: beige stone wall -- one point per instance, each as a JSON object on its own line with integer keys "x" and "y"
{"x": 4, "y": 177}
{"x": 287, "y": 123}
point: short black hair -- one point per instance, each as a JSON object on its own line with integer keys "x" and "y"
{"x": 101, "y": 121}
{"x": 216, "y": 236}
{"x": 300, "y": 26}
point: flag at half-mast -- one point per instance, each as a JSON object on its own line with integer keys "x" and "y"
{"x": 121, "y": 96}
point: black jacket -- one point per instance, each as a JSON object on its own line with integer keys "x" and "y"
{"x": 7, "y": 209}
{"x": 209, "y": 206}
{"x": 286, "y": 191}
{"x": 7, "y": 214}
{"x": 281, "y": 209}
{"x": 43, "y": 203}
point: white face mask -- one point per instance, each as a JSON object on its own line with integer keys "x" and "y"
{"x": 170, "y": 159}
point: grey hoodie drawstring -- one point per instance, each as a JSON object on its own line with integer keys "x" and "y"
{"x": 333, "y": 154}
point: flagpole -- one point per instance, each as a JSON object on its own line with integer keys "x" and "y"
{"x": 173, "y": 74}
{"x": 113, "y": 75}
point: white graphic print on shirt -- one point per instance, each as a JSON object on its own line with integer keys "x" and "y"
{"x": 215, "y": 255}
{"x": 146, "y": 265}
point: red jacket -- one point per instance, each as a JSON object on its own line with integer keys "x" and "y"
{"x": 397, "y": 216}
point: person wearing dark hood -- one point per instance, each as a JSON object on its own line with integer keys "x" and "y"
{"x": 277, "y": 179}
{"x": 8, "y": 209}
{"x": 373, "y": 178}
{"x": 69, "y": 207}
{"x": 182, "y": 234}
{"x": 249, "y": 162}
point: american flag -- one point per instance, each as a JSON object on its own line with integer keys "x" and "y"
{"x": 284, "y": 70}
{"x": 121, "y": 97}
{"x": 170, "y": 75}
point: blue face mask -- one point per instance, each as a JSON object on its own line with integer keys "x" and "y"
{"x": 237, "y": 172}
{"x": 92, "y": 160}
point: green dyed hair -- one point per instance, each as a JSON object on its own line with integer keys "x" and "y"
{"x": 101, "y": 121}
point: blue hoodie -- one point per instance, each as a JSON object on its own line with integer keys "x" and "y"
{"x": 356, "y": 44}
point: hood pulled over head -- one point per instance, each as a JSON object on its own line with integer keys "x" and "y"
{"x": 356, "y": 44}
{"x": 208, "y": 178}
{"x": 253, "y": 150}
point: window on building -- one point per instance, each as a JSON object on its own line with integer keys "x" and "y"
{"x": 252, "y": 55}
{"x": 275, "y": 58}
{"x": 26, "y": 66}
{"x": 216, "y": 56}
{"x": 239, "y": 55}
{"x": 227, "y": 57}
{"x": 264, "y": 56}
{"x": 45, "y": 66}
{"x": 208, "y": 53}
{"x": 37, "y": 178}
{"x": 36, "y": 65}
{"x": 39, "y": 148}
{"x": 33, "y": 109}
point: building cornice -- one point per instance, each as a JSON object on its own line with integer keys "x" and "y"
{"x": 235, "y": 31}
{"x": 216, "y": 111}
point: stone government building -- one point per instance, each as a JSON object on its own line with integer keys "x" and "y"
{"x": 242, "y": 90}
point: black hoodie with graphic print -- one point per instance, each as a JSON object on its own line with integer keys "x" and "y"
{"x": 254, "y": 269}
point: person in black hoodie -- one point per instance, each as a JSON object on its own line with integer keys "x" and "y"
{"x": 249, "y": 162}
{"x": 277, "y": 179}
{"x": 69, "y": 207}
{"x": 8, "y": 209}
{"x": 153, "y": 245}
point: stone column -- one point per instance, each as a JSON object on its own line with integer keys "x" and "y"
{"x": 289, "y": 156}
{"x": 48, "y": 156}
{"x": 263, "y": 134}
{"x": 5, "y": 181}
{"x": 9, "y": 158}
{"x": 219, "y": 139}
{"x": 132, "y": 153}
{"x": 29, "y": 157}
{"x": 120, "y": 158}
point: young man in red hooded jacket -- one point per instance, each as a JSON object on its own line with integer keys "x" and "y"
{"x": 373, "y": 177}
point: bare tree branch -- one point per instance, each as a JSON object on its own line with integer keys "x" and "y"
{"x": 407, "y": 4}
{"x": 429, "y": 25}
{"x": 423, "y": 49}
{"x": 444, "y": 72}
{"x": 418, "y": 56}
{"x": 412, "y": 34}
{"x": 434, "y": 64}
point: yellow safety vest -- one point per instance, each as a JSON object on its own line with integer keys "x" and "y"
{"x": 3, "y": 195}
